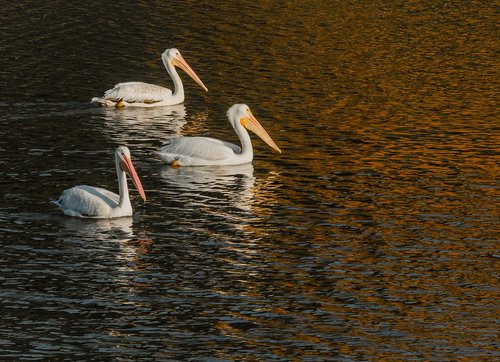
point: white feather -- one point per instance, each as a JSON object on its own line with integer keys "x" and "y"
{"x": 139, "y": 94}
{"x": 191, "y": 151}
{"x": 201, "y": 151}
{"x": 87, "y": 201}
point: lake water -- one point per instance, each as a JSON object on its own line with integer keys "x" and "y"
{"x": 373, "y": 236}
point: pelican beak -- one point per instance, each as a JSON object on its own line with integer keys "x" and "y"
{"x": 128, "y": 167}
{"x": 253, "y": 125}
{"x": 181, "y": 63}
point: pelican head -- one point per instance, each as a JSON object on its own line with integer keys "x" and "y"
{"x": 241, "y": 113}
{"x": 173, "y": 56}
{"x": 124, "y": 163}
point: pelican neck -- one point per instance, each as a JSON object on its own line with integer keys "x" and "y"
{"x": 246, "y": 141}
{"x": 122, "y": 186}
{"x": 178, "y": 92}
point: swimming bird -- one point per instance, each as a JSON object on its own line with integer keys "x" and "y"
{"x": 199, "y": 151}
{"x": 95, "y": 202}
{"x": 139, "y": 94}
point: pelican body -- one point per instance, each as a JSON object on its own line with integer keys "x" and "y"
{"x": 201, "y": 151}
{"x": 139, "y": 94}
{"x": 95, "y": 202}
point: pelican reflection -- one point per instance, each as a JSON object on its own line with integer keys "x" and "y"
{"x": 230, "y": 184}
{"x": 100, "y": 229}
{"x": 144, "y": 124}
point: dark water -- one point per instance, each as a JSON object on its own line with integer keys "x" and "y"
{"x": 373, "y": 236}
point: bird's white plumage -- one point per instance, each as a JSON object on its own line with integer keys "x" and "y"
{"x": 139, "y": 94}
{"x": 192, "y": 151}
{"x": 88, "y": 201}
{"x": 96, "y": 202}
{"x": 201, "y": 151}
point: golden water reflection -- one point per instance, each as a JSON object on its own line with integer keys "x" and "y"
{"x": 372, "y": 236}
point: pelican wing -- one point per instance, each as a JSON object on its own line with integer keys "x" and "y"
{"x": 87, "y": 201}
{"x": 199, "y": 148}
{"x": 137, "y": 92}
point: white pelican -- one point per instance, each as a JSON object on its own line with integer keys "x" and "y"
{"x": 95, "y": 202}
{"x": 199, "y": 151}
{"x": 139, "y": 94}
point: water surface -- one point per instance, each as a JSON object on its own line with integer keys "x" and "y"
{"x": 373, "y": 236}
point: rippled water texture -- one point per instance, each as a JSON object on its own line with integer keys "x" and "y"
{"x": 373, "y": 236}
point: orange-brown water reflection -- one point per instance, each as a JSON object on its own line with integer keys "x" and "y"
{"x": 372, "y": 236}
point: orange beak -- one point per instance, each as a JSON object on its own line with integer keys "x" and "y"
{"x": 253, "y": 125}
{"x": 128, "y": 167}
{"x": 181, "y": 63}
